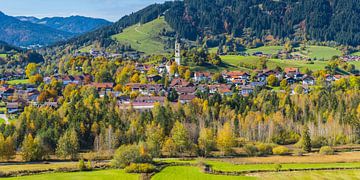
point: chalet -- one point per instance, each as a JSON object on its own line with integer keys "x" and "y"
{"x": 276, "y": 73}
{"x": 298, "y": 76}
{"x": 178, "y": 82}
{"x": 185, "y": 90}
{"x": 186, "y": 98}
{"x": 150, "y": 99}
{"x": 153, "y": 78}
{"x": 290, "y": 80}
{"x": 308, "y": 80}
{"x": 236, "y": 76}
{"x": 219, "y": 88}
{"x": 13, "y": 107}
{"x": 261, "y": 77}
{"x": 225, "y": 91}
{"x": 291, "y": 71}
{"x": 246, "y": 90}
{"x": 202, "y": 76}
{"x": 102, "y": 86}
{"x": 8, "y": 92}
{"x": 257, "y": 84}
{"x": 329, "y": 77}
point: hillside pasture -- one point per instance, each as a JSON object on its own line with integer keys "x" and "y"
{"x": 320, "y": 52}
{"x": 235, "y": 60}
{"x": 265, "y": 49}
{"x": 145, "y": 37}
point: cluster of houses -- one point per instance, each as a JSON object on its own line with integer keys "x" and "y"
{"x": 19, "y": 96}
{"x": 350, "y": 58}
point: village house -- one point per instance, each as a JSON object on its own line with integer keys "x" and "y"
{"x": 291, "y": 72}
{"x": 185, "y": 90}
{"x": 102, "y": 86}
{"x": 186, "y": 98}
{"x": 236, "y": 77}
{"x": 178, "y": 82}
{"x": 308, "y": 80}
{"x": 202, "y": 76}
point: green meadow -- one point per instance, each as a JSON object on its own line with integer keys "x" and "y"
{"x": 18, "y": 81}
{"x": 145, "y": 37}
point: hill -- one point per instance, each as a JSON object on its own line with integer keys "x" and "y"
{"x": 148, "y": 38}
{"x": 72, "y": 24}
{"x": 320, "y": 20}
{"x": 20, "y": 33}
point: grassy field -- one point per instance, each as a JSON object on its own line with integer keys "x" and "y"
{"x": 224, "y": 166}
{"x": 322, "y": 52}
{"x": 18, "y": 81}
{"x": 309, "y": 158}
{"x": 93, "y": 175}
{"x": 190, "y": 173}
{"x": 3, "y": 55}
{"x": 145, "y": 37}
{"x": 266, "y": 49}
{"x": 234, "y": 60}
{"x": 312, "y": 175}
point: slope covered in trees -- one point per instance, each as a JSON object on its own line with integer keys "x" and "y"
{"x": 321, "y": 20}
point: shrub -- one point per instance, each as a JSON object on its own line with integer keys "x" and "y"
{"x": 127, "y": 154}
{"x": 319, "y": 142}
{"x": 264, "y": 149}
{"x": 281, "y": 150}
{"x": 89, "y": 165}
{"x": 250, "y": 150}
{"x": 278, "y": 167}
{"x": 299, "y": 152}
{"x": 82, "y": 166}
{"x": 140, "y": 168}
{"x": 326, "y": 150}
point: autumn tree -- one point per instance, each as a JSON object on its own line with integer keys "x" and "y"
{"x": 32, "y": 149}
{"x": 206, "y": 141}
{"x": 68, "y": 145}
{"x": 154, "y": 139}
{"x": 225, "y": 139}
{"x": 272, "y": 80}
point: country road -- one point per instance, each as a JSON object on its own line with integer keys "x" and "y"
{"x": 3, "y": 116}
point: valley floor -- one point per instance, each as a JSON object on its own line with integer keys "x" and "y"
{"x": 344, "y": 165}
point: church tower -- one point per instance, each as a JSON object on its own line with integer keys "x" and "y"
{"x": 177, "y": 52}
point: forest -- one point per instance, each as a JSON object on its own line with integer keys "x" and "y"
{"x": 320, "y": 20}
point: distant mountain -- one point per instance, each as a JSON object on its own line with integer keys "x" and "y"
{"x": 318, "y": 20}
{"x": 72, "y": 24}
{"x": 21, "y": 33}
{"x": 5, "y": 47}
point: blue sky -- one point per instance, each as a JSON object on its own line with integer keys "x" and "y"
{"x": 111, "y": 10}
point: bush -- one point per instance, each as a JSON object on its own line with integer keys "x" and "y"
{"x": 264, "y": 149}
{"x": 278, "y": 167}
{"x": 299, "y": 152}
{"x": 250, "y": 150}
{"x": 326, "y": 150}
{"x": 140, "y": 168}
{"x": 281, "y": 150}
{"x": 89, "y": 165}
{"x": 82, "y": 166}
{"x": 128, "y": 154}
{"x": 319, "y": 142}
